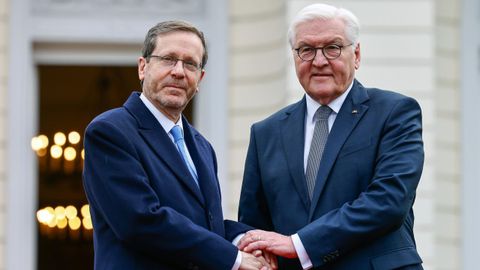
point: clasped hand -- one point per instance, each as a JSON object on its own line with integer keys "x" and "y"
{"x": 267, "y": 245}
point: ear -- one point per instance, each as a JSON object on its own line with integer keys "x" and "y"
{"x": 200, "y": 79}
{"x": 142, "y": 62}
{"x": 357, "y": 56}
{"x": 202, "y": 73}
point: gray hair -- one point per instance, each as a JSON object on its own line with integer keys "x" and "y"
{"x": 326, "y": 12}
{"x": 165, "y": 27}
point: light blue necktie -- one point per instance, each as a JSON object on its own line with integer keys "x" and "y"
{"x": 177, "y": 134}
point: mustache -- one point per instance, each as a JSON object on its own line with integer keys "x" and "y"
{"x": 175, "y": 83}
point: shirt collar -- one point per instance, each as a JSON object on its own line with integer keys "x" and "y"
{"x": 335, "y": 105}
{"x": 166, "y": 123}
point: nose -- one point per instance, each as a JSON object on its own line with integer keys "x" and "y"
{"x": 319, "y": 59}
{"x": 177, "y": 69}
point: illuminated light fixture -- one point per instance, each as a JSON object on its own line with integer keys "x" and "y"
{"x": 59, "y": 212}
{"x": 51, "y": 211}
{"x": 74, "y": 137}
{"x": 87, "y": 223}
{"x": 69, "y": 153}
{"x": 39, "y": 142}
{"x": 44, "y": 140}
{"x": 65, "y": 218}
{"x": 36, "y": 143}
{"x": 52, "y": 223}
{"x": 85, "y": 210}
{"x": 59, "y": 138}
{"x": 62, "y": 223}
{"x": 71, "y": 212}
{"x": 70, "y": 149}
{"x": 56, "y": 151}
{"x": 44, "y": 216}
{"x": 42, "y": 152}
{"x": 74, "y": 223}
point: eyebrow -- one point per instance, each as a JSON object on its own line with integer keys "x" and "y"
{"x": 335, "y": 40}
{"x": 187, "y": 57}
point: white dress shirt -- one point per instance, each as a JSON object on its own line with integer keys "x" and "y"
{"x": 165, "y": 122}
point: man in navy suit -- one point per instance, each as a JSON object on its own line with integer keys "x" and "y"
{"x": 356, "y": 212}
{"x": 151, "y": 178}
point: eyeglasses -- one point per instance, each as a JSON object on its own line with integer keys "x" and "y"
{"x": 331, "y": 52}
{"x": 170, "y": 62}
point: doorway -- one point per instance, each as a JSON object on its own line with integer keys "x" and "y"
{"x": 69, "y": 98}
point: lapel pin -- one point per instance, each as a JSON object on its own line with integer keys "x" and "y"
{"x": 354, "y": 112}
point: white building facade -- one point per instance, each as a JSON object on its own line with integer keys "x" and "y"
{"x": 427, "y": 49}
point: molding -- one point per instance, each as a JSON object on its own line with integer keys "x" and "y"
{"x": 21, "y": 124}
{"x": 93, "y": 8}
{"x": 107, "y": 21}
{"x": 211, "y": 110}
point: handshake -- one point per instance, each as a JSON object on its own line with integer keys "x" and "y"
{"x": 260, "y": 248}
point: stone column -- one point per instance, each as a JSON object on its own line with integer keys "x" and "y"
{"x": 257, "y": 84}
{"x": 447, "y": 232}
{"x": 3, "y": 91}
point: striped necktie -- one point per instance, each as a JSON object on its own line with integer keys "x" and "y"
{"x": 320, "y": 135}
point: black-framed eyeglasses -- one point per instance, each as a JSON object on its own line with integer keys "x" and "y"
{"x": 170, "y": 62}
{"x": 331, "y": 52}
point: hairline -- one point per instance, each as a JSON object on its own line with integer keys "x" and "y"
{"x": 167, "y": 27}
{"x": 325, "y": 12}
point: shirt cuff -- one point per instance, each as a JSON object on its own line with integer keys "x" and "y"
{"x": 237, "y": 239}
{"x": 301, "y": 252}
{"x": 238, "y": 261}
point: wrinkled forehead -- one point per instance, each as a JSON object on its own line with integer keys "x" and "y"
{"x": 326, "y": 30}
{"x": 179, "y": 40}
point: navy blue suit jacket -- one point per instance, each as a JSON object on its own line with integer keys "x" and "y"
{"x": 360, "y": 216}
{"x": 147, "y": 211}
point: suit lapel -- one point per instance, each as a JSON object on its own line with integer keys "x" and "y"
{"x": 348, "y": 117}
{"x": 161, "y": 144}
{"x": 293, "y": 134}
{"x": 206, "y": 174}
